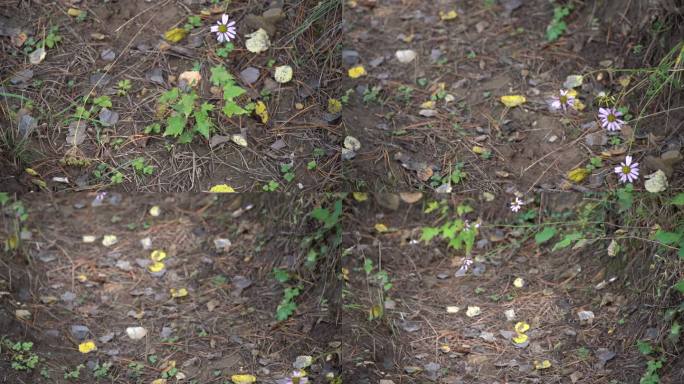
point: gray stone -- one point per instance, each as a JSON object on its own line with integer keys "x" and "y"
{"x": 249, "y": 75}
{"x": 79, "y": 331}
{"x": 350, "y": 56}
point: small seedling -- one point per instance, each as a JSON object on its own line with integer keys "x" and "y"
{"x": 286, "y": 170}
{"x": 271, "y": 186}
{"x": 123, "y": 86}
{"x": 194, "y": 21}
{"x": 557, "y": 27}
{"x": 141, "y": 168}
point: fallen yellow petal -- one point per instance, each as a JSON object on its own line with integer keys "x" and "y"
{"x": 156, "y": 267}
{"x": 521, "y": 327}
{"x": 360, "y": 196}
{"x": 87, "y": 346}
{"x": 182, "y": 292}
{"x": 380, "y": 227}
{"x": 428, "y": 105}
{"x": 261, "y": 111}
{"x": 222, "y": 188}
{"x": 542, "y": 365}
{"x": 578, "y": 174}
{"x": 448, "y": 15}
{"x": 357, "y": 71}
{"x": 243, "y": 379}
{"x": 520, "y": 338}
{"x": 158, "y": 255}
{"x": 512, "y": 101}
{"x": 74, "y": 12}
{"x": 175, "y": 35}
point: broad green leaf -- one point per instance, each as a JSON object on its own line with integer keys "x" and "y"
{"x": 231, "y": 91}
{"x": 169, "y": 96}
{"x": 220, "y": 76}
{"x": 186, "y": 103}
{"x": 668, "y": 238}
{"x": 232, "y": 109}
{"x": 429, "y": 233}
{"x": 281, "y": 275}
{"x": 174, "y": 125}
{"x": 566, "y": 241}
{"x": 678, "y": 200}
{"x": 545, "y": 235}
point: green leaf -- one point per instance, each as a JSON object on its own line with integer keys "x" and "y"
{"x": 368, "y": 266}
{"x": 678, "y": 200}
{"x": 644, "y": 347}
{"x": 231, "y": 91}
{"x": 231, "y": 109}
{"x": 668, "y": 238}
{"x": 429, "y": 233}
{"x": 566, "y": 241}
{"x": 281, "y": 275}
{"x": 203, "y": 123}
{"x": 175, "y": 125}
{"x": 680, "y": 286}
{"x": 545, "y": 235}
{"x": 169, "y": 96}
{"x": 103, "y": 101}
{"x": 220, "y": 76}
{"x": 4, "y": 198}
{"x": 320, "y": 214}
{"x": 186, "y": 104}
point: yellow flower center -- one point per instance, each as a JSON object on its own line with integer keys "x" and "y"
{"x": 222, "y": 28}
{"x": 564, "y": 99}
{"x": 611, "y": 118}
{"x": 626, "y": 170}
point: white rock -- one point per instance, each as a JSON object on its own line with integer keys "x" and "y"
{"x": 405, "y": 55}
{"x": 283, "y": 74}
{"x": 258, "y": 41}
{"x": 136, "y": 333}
{"x": 510, "y": 314}
{"x": 657, "y": 182}
{"x": 473, "y": 311}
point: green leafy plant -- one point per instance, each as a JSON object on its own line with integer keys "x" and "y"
{"x": 557, "y": 27}
{"x": 287, "y": 171}
{"x": 22, "y": 357}
{"x": 194, "y": 21}
{"x": 140, "y": 167}
{"x": 458, "y": 234}
{"x": 225, "y": 50}
{"x": 73, "y": 374}
{"x": 271, "y": 186}
{"x": 123, "y": 87}
{"x": 184, "y": 109}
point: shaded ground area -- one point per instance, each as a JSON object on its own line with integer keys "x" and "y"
{"x": 430, "y": 120}
{"x": 384, "y": 304}
{"x": 90, "y": 55}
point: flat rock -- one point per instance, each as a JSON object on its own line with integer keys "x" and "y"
{"x": 249, "y": 75}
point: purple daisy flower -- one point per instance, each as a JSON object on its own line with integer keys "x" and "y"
{"x": 627, "y": 171}
{"x": 298, "y": 377}
{"x": 224, "y": 29}
{"x": 610, "y": 119}
{"x": 563, "y": 101}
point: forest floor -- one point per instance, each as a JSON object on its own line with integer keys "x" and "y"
{"x": 433, "y": 120}
{"x": 210, "y": 313}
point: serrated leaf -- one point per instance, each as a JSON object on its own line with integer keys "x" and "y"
{"x": 220, "y": 76}
{"x": 231, "y": 91}
{"x": 232, "y": 109}
{"x": 545, "y": 235}
{"x": 429, "y": 233}
{"x": 169, "y": 96}
{"x": 186, "y": 104}
{"x": 175, "y": 125}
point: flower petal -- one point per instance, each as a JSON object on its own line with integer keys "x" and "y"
{"x": 224, "y": 19}
{"x": 220, "y": 37}
{"x": 232, "y": 23}
{"x": 214, "y": 28}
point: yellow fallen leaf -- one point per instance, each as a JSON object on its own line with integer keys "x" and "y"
{"x": 375, "y": 312}
{"x": 357, "y": 71}
{"x": 74, "y": 12}
{"x": 512, "y": 101}
{"x": 181, "y": 292}
{"x": 578, "y": 174}
{"x": 380, "y": 227}
{"x": 222, "y": 188}
{"x": 478, "y": 150}
{"x": 261, "y": 111}
{"x": 31, "y": 171}
{"x": 448, "y": 15}
{"x": 87, "y": 346}
{"x": 334, "y": 106}
{"x": 156, "y": 267}
{"x": 360, "y": 196}
{"x": 158, "y": 255}
{"x": 520, "y": 338}
{"x": 428, "y": 105}
{"x": 542, "y": 365}
{"x": 175, "y": 35}
{"x": 521, "y": 327}
{"x": 243, "y": 379}
{"x": 345, "y": 274}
